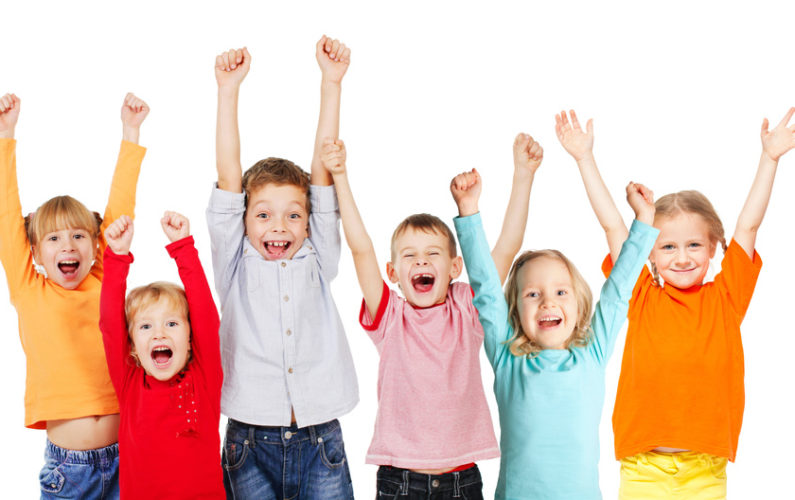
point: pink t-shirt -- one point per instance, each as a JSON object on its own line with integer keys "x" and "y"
{"x": 432, "y": 411}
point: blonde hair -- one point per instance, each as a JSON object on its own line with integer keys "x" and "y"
{"x": 59, "y": 213}
{"x": 520, "y": 343}
{"x": 426, "y": 223}
{"x": 145, "y": 296}
{"x": 692, "y": 202}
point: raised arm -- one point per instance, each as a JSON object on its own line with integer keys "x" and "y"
{"x": 230, "y": 69}
{"x": 133, "y": 113}
{"x": 333, "y": 57}
{"x": 775, "y": 143}
{"x": 527, "y": 157}
{"x": 364, "y": 258}
{"x": 579, "y": 145}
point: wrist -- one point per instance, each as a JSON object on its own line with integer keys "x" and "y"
{"x": 767, "y": 157}
{"x": 130, "y": 134}
{"x": 228, "y": 91}
{"x": 586, "y": 157}
{"x": 467, "y": 209}
{"x": 646, "y": 217}
{"x": 522, "y": 173}
{"x": 329, "y": 83}
{"x": 7, "y": 134}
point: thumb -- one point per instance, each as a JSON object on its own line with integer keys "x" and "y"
{"x": 765, "y": 125}
{"x": 589, "y": 127}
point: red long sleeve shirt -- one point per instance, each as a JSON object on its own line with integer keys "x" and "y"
{"x": 169, "y": 445}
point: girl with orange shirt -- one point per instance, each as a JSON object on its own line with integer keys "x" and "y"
{"x": 53, "y": 264}
{"x": 680, "y": 399}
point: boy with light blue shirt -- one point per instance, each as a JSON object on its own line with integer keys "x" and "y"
{"x": 288, "y": 370}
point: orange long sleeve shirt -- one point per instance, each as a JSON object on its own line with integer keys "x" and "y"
{"x": 67, "y": 376}
{"x": 682, "y": 376}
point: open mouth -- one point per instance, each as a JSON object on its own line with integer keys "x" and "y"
{"x": 276, "y": 249}
{"x": 549, "y": 322}
{"x": 161, "y": 356}
{"x": 68, "y": 267}
{"x": 423, "y": 283}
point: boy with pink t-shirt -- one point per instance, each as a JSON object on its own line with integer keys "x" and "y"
{"x": 433, "y": 421}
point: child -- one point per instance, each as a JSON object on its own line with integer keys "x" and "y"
{"x": 288, "y": 369}
{"x": 680, "y": 396}
{"x": 548, "y": 353}
{"x": 165, "y": 363}
{"x": 68, "y": 390}
{"x": 433, "y": 422}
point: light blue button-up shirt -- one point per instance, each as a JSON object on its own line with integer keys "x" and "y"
{"x": 283, "y": 346}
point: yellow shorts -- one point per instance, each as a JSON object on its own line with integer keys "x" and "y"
{"x": 687, "y": 474}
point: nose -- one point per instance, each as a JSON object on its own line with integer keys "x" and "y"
{"x": 682, "y": 258}
{"x": 278, "y": 225}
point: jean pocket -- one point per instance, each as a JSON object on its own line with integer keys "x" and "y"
{"x": 332, "y": 449}
{"x": 388, "y": 489}
{"x": 718, "y": 467}
{"x": 51, "y": 479}
{"x": 235, "y": 453}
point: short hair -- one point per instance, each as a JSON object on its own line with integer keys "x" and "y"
{"x": 522, "y": 345}
{"x": 693, "y": 202}
{"x": 144, "y": 296}
{"x": 275, "y": 171}
{"x": 61, "y": 212}
{"x": 428, "y": 224}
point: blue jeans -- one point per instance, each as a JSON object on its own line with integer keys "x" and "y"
{"x": 84, "y": 475}
{"x": 403, "y": 484}
{"x": 285, "y": 462}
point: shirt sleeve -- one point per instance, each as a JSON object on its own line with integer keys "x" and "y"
{"x": 227, "y": 230}
{"x": 112, "y": 320}
{"x": 204, "y": 320}
{"x": 737, "y": 277}
{"x": 489, "y": 298}
{"x": 376, "y": 327}
{"x": 14, "y": 245}
{"x": 611, "y": 310}
{"x": 121, "y": 200}
{"x": 324, "y": 228}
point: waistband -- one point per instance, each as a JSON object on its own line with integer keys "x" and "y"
{"x": 86, "y": 457}
{"x": 283, "y": 435}
{"x": 410, "y": 480}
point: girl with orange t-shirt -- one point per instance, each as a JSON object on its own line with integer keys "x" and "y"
{"x": 67, "y": 387}
{"x": 680, "y": 399}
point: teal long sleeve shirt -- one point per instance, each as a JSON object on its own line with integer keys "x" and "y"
{"x": 550, "y": 404}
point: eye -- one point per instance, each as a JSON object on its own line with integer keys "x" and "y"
{"x": 408, "y": 255}
{"x": 172, "y": 323}
{"x": 262, "y": 215}
{"x": 562, "y": 292}
{"x": 532, "y": 294}
{"x": 52, "y": 238}
{"x": 667, "y": 247}
{"x": 295, "y": 216}
{"x": 78, "y": 236}
{"x": 145, "y": 326}
{"x": 433, "y": 253}
{"x": 694, "y": 245}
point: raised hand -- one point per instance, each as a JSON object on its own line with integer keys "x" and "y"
{"x": 175, "y": 226}
{"x": 527, "y": 154}
{"x": 333, "y": 156}
{"x": 133, "y": 111}
{"x": 333, "y": 57}
{"x": 577, "y": 143}
{"x": 465, "y": 188}
{"x": 119, "y": 235}
{"x": 641, "y": 199}
{"x": 9, "y": 114}
{"x": 231, "y": 67}
{"x": 781, "y": 139}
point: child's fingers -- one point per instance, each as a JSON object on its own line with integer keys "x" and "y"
{"x": 335, "y": 45}
{"x": 575, "y": 123}
{"x": 346, "y": 55}
{"x": 787, "y": 117}
{"x": 765, "y": 125}
{"x": 564, "y": 119}
{"x": 589, "y": 126}
{"x": 238, "y": 56}
{"x": 219, "y": 62}
{"x": 246, "y": 55}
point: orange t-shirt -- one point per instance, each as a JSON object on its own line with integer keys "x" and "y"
{"x": 67, "y": 376}
{"x": 681, "y": 383}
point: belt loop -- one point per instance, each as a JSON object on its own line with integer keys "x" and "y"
{"x": 456, "y": 486}
{"x": 404, "y": 486}
{"x": 252, "y": 436}
{"x": 312, "y": 435}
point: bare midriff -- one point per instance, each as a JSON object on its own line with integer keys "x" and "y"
{"x": 85, "y": 433}
{"x": 663, "y": 449}
{"x": 432, "y": 471}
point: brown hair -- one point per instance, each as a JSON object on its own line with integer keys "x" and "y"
{"x": 428, "y": 224}
{"x": 275, "y": 171}
{"x": 520, "y": 343}
{"x": 144, "y": 296}
{"x": 692, "y": 202}
{"x": 59, "y": 213}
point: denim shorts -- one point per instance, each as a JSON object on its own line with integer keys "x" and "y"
{"x": 85, "y": 475}
{"x": 285, "y": 462}
{"x": 403, "y": 484}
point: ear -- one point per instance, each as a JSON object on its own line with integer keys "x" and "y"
{"x": 713, "y": 247}
{"x": 457, "y": 267}
{"x": 35, "y": 251}
{"x": 391, "y": 272}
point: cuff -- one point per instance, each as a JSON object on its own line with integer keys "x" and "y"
{"x": 109, "y": 255}
{"x": 467, "y": 223}
{"x": 371, "y": 324}
{"x": 323, "y": 198}
{"x": 227, "y": 201}
{"x": 174, "y": 247}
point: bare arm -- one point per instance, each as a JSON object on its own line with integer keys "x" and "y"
{"x": 333, "y": 57}
{"x": 364, "y": 258}
{"x": 579, "y": 145}
{"x": 133, "y": 113}
{"x": 527, "y": 157}
{"x": 775, "y": 143}
{"x": 230, "y": 69}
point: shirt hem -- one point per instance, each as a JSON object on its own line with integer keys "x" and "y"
{"x": 631, "y": 451}
{"x": 410, "y": 463}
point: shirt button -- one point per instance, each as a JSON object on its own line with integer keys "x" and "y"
{"x": 284, "y": 264}
{"x": 288, "y": 435}
{"x": 435, "y": 483}
{"x": 289, "y": 370}
{"x": 289, "y": 332}
{"x": 286, "y": 298}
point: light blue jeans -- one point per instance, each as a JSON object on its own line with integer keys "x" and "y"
{"x": 84, "y": 475}
{"x": 265, "y": 463}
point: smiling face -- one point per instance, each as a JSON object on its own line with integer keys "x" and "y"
{"x": 160, "y": 335}
{"x": 423, "y": 266}
{"x": 276, "y": 220}
{"x": 547, "y": 302}
{"x": 683, "y": 249}
{"x": 67, "y": 256}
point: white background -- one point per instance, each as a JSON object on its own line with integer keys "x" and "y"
{"x": 678, "y": 91}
